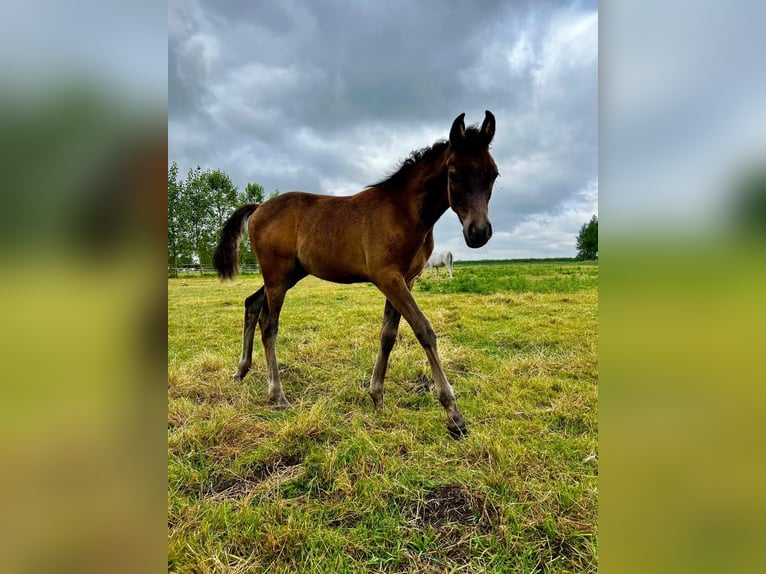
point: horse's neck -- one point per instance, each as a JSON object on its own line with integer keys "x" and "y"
{"x": 429, "y": 192}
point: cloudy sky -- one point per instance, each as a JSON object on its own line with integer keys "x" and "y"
{"x": 330, "y": 96}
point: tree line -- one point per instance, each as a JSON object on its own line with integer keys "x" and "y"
{"x": 587, "y": 240}
{"x": 198, "y": 206}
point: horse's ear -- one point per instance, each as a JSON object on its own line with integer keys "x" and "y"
{"x": 457, "y": 132}
{"x": 488, "y": 126}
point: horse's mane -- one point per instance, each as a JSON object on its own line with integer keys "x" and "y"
{"x": 426, "y": 154}
{"x": 397, "y": 179}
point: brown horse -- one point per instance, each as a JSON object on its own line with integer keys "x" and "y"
{"x": 383, "y": 234}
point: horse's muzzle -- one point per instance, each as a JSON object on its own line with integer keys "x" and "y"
{"x": 477, "y": 235}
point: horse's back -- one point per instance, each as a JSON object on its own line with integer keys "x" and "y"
{"x": 335, "y": 237}
{"x": 319, "y": 233}
{"x": 275, "y": 221}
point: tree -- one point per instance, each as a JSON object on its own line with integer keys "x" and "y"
{"x": 587, "y": 240}
{"x": 196, "y": 215}
{"x": 198, "y": 207}
{"x": 254, "y": 193}
{"x": 223, "y": 197}
{"x": 174, "y": 218}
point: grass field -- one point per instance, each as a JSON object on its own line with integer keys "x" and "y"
{"x": 332, "y": 486}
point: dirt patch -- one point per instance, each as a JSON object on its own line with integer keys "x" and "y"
{"x": 555, "y": 546}
{"x": 345, "y": 520}
{"x": 265, "y": 469}
{"x": 239, "y": 434}
{"x": 261, "y": 477}
{"x": 454, "y": 504}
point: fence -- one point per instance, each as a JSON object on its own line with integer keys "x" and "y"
{"x": 208, "y": 270}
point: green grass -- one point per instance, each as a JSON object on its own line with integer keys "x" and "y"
{"x": 332, "y": 486}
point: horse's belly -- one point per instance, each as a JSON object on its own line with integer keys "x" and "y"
{"x": 338, "y": 269}
{"x": 337, "y": 275}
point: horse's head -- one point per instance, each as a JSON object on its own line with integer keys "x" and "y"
{"x": 471, "y": 173}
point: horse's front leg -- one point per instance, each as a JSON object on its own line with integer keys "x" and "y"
{"x": 387, "y": 339}
{"x": 395, "y": 290}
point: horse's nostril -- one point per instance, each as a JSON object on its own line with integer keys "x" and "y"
{"x": 472, "y": 230}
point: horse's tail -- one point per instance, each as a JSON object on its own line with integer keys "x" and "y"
{"x": 226, "y": 256}
{"x": 449, "y": 259}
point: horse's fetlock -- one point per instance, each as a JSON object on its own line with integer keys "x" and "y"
{"x": 447, "y": 399}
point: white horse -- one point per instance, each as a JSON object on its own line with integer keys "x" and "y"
{"x": 442, "y": 259}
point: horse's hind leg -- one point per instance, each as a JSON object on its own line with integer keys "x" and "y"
{"x": 269, "y": 321}
{"x": 253, "y": 306}
{"x": 387, "y": 339}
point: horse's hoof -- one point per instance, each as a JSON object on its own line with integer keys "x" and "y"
{"x": 280, "y": 403}
{"x": 377, "y": 403}
{"x": 457, "y": 432}
{"x": 241, "y": 373}
{"x": 456, "y": 427}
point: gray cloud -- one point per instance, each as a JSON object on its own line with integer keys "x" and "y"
{"x": 329, "y": 97}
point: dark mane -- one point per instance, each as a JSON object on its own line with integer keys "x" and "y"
{"x": 397, "y": 178}
{"x": 426, "y": 154}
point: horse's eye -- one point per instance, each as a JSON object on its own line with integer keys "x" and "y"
{"x": 454, "y": 176}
